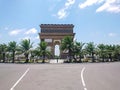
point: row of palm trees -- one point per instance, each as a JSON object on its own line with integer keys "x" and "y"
{"x": 77, "y": 51}
{"x": 25, "y": 47}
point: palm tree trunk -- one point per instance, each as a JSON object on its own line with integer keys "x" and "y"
{"x": 27, "y": 60}
{"x": 92, "y": 57}
{"x": 70, "y": 59}
{"x": 13, "y": 57}
{"x": 110, "y": 57}
{"x": 3, "y": 57}
{"x": 43, "y": 61}
{"x": 80, "y": 58}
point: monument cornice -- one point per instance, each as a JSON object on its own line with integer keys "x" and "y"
{"x": 56, "y": 25}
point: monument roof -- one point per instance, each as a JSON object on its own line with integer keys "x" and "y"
{"x": 56, "y": 25}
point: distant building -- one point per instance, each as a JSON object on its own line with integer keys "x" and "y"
{"x": 53, "y": 34}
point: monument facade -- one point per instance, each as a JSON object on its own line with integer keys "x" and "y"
{"x": 53, "y": 35}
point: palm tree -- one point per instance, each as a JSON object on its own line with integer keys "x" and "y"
{"x": 25, "y": 46}
{"x": 12, "y": 46}
{"x": 42, "y": 47}
{"x": 90, "y": 48}
{"x": 116, "y": 52}
{"x": 79, "y": 49}
{"x": 3, "y": 49}
{"x": 109, "y": 50}
{"x": 102, "y": 51}
{"x": 75, "y": 52}
{"x": 67, "y": 44}
{"x": 35, "y": 53}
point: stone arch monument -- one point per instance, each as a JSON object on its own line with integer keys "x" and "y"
{"x": 53, "y": 35}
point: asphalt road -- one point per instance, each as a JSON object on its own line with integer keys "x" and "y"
{"x": 87, "y": 76}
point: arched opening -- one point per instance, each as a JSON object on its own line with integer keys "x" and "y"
{"x": 57, "y": 50}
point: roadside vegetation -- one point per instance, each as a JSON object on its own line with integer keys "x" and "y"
{"x": 77, "y": 52}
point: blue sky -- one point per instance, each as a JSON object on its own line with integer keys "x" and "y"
{"x": 95, "y": 21}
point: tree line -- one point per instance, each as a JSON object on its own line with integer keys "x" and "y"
{"x": 25, "y": 47}
{"x": 77, "y": 51}
{"x": 84, "y": 52}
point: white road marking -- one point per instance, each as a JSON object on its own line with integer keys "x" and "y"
{"x": 19, "y": 79}
{"x": 82, "y": 78}
{"x": 85, "y": 88}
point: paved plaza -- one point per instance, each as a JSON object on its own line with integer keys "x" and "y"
{"x": 85, "y": 76}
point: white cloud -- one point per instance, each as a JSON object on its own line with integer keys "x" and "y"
{"x": 112, "y": 34}
{"x": 62, "y": 13}
{"x": 24, "y": 31}
{"x": 108, "y": 5}
{"x": 31, "y": 31}
{"x": 89, "y": 3}
{"x": 15, "y": 32}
